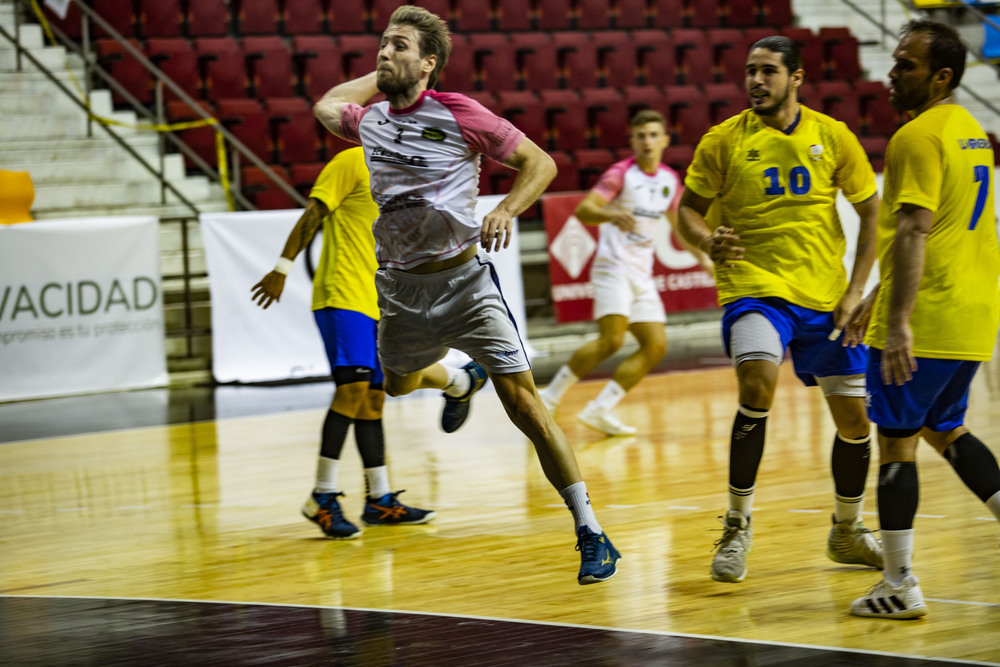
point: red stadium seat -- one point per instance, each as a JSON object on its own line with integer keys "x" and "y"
{"x": 319, "y": 63}
{"x": 811, "y": 49}
{"x": 566, "y": 179}
{"x": 739, "y": 13}
{"x": 537, "y": 60}
{"x": 259, "y": 17}
{"x": 460, "y": 74}
{"x": 125, "y": 69}
{"x": 120, "y": 14}
{"x": 513, "y": 15}
{"x": 724, "y": 101}
{"x": 591, "y": 163}
{"x": 223, "y": 63}
{"x": 617, "y": 57}
{"x": 495, "y": 178}
{"x": 688, "y": 117}
{"x": 247, "y": 120}
{"x": 875, "y": 149}
{"x": 162, "y": 18}
{"x": 496, "y": 64}
{"x": 304, "y": 175}
{"x": 473, "y": 15}
{"x": 655, "y": 57}
{"x": 525, "y": 110}
{"x": 637, "y": 98}
{"x": 878, "y": 116}
{"x": 264, "y": 193}
{"x": 667, "y": 13}
{"x": 729, "y": 54}
{"x": 578, "y": 60}
{"x": 200, "y": 139}
{"x": 838, "y": 100}
{"x": 693, "y": 56}
{"x": 840, "y": 54}
{"x": 555, "y": 15}
{"x": 346, "y": 17}
{"x": 705, "y": 13}
{"x": 310, "y": 17}
{"x": 360, "y": 54}
{"x": 594, "y": 14}
{"x": 607, "y": 117}
{"x": 775, "y": 12}
{"x": 381, "y": 10}
{"x": 178, "y": 60}
{"x": 208, "y": 18}
{"x": 270, "y": 67}
{"x": 565, "y": 120}
{"x": 678, "y": 158}
{"x": 630, "y": 14}
{"x": 297, "y": 134}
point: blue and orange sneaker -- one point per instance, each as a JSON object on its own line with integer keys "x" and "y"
{"x": 388, "y": 511}
{"x": 598, "y": 557}
{"x": 456, "y": 409}
{"x": 323, "y": 509}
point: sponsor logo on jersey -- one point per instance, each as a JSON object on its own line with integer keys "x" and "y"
{"x": 401, "y": 202}
{"x": 433, "y": 133}
{"x": 380, "y": 154}
{"x": 972, "y": 144}
{"x": 815, "y": 152}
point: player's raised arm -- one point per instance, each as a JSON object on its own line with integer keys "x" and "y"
{"x": 330, "y": 107}
{"x": 535, "y": 170}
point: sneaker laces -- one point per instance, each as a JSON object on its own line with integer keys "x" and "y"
{"x": 729, "y": 533}
{"x": 589, "y": 545}
{"x": 335, "y": 511}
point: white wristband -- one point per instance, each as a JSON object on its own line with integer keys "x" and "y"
{"x": 283, "y": 266}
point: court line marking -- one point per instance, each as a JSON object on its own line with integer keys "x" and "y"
{"x": 471, "y": 617}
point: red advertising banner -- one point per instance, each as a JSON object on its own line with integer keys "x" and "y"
{"x": 682, "y": 283}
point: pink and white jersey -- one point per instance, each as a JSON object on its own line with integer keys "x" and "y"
{"x": 424, "y": 165}
{"x": 647, "y": 197}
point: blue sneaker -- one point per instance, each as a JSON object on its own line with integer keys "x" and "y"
{"x": 324, "y": 510}
{"x": 388, "y": 511}
{"x": 456, "y": 410}
{"x": 598, "y": 557}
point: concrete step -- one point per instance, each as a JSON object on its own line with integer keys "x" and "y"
{"x": 84, "y": 168}
{"x": 170, "y": 210}
{"x": 19, "y": 127}
{"x": 77, "y": 199}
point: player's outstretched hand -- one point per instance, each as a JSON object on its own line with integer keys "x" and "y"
{"x": 721, "y": 247}
{"x": 269, "y": 289}
{"x": 498, "y": 226}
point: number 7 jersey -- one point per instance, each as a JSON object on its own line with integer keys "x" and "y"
{"x": 942, "y": 161}
{"x": 777, "y": 190}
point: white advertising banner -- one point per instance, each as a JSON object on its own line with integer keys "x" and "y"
{"x": 81, "y": 307}
{"x": 250, "y": 344}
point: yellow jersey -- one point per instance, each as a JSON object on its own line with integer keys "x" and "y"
{"x": 943, "y": 161}
{"x": 777, "y": 190}
{"x": 345, "y": 276}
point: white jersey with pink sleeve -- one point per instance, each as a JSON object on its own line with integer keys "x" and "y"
{"x": 424, "y": 165}
{"x": 647, "y": 197}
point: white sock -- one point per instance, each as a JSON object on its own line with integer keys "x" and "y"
{"x": 561, "y": 383}
{"x": 849, "y": 509}
{"x": 609, "y": 396}
{"x": 741, "y": 500}
{"x": 326, "y": 475}
{"x": 578, "y": 501}
{"x": 993, "y": 504}
{"x": 459, "y": 382}
{"x": 377, "y": 481}
{"x": 897, "y": 550}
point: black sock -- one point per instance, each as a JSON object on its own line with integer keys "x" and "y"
{"x": 849, "y": 463}
{"x": 334, "y": 433}
{"x": 371, "y": 442}
{"x": 898, "y": 495}
{"x": 975, "y": 465}
{"x": 746, "y": 447}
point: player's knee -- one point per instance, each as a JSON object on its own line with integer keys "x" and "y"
{"x": 608, "y": 345}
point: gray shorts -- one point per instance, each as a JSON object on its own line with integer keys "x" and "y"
{"x": 460, "y": 308}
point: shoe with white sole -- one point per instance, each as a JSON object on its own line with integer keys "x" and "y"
{"x": 883, "y": 600}
{"x": 604, "y": 420}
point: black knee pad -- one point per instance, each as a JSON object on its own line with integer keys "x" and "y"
{"x": 352, "y": 374}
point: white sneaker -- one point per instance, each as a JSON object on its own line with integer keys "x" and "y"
{"x": 604, "y": 420}
{"x": 730, "y": 560}
{"x": 550, "y": 401}
{"x": 852, "y": 543}
{"x": 883, "y": 600}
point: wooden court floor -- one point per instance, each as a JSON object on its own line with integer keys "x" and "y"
{"x": 209, "y": 511}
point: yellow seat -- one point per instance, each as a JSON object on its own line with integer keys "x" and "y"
{"x": 17, "y": 194}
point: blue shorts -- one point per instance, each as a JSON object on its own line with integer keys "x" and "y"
{"x": 350, "y": 340}
{"x": 804, "y": 332}
{"x": 936, "y": 397}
